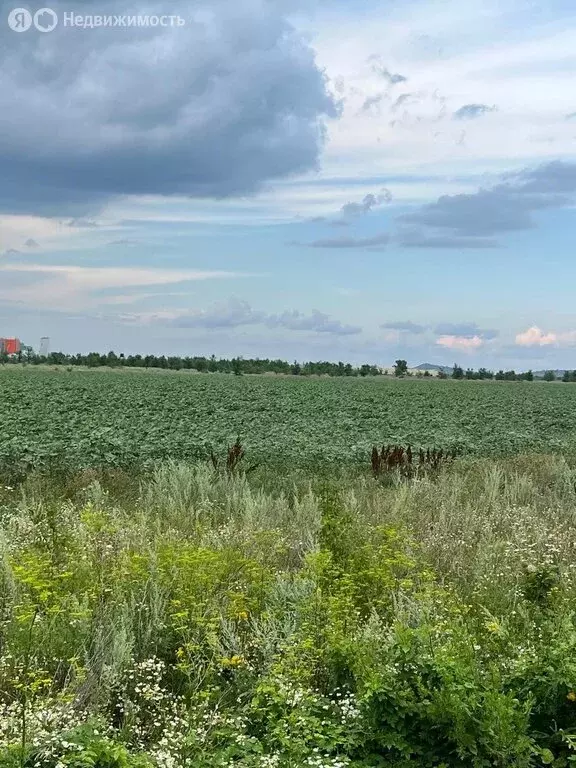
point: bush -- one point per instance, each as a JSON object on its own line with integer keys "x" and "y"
{"x": 209, "y": 618}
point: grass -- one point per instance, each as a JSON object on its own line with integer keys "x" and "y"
{"x": 294, "y": 601}
{"x": 197, "y": 616}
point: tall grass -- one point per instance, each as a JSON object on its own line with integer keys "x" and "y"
{"x": 202, "y": 617}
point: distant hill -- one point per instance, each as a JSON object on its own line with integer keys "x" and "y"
{"x": 432, "y": 367}
{"x": 427, "y": 367}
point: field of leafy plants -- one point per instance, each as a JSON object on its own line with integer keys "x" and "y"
{"x": 87, "y": 419}
{"x": 163, "y": 604}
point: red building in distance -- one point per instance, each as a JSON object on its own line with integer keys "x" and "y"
{"x": 10, "y": 346}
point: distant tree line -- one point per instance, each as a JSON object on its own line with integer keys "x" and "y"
{"x": 240, "y": 365}
{"x": 401, "y": 370}
{"x": 483, "y": 373}
{"x": 237, "y": 365}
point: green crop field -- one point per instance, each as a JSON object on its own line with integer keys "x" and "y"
{"x": 159, "y": 610}
{"x": 117, "y": 418}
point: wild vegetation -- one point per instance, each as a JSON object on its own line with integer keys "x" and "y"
{"x": 203, "y": 617}
{"x": 294, "y": 599}
{"x": 408, "y": 463}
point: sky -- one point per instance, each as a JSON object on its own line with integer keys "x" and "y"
{"x": 356, "y": 180}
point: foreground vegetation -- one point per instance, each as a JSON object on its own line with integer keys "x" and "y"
{"x": 199, "y": 616}
{"x": 316, "y": 602}
{"x": 54, "y": 420}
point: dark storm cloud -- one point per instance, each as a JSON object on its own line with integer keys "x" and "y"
{"x": 214, "y": 108}
{"x": 468, "y": 219}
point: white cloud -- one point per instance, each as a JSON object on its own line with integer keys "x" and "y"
{"x": 475, "y": 53}
{"x": 535, "y": 337}
{"x": 460, "y": 343}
